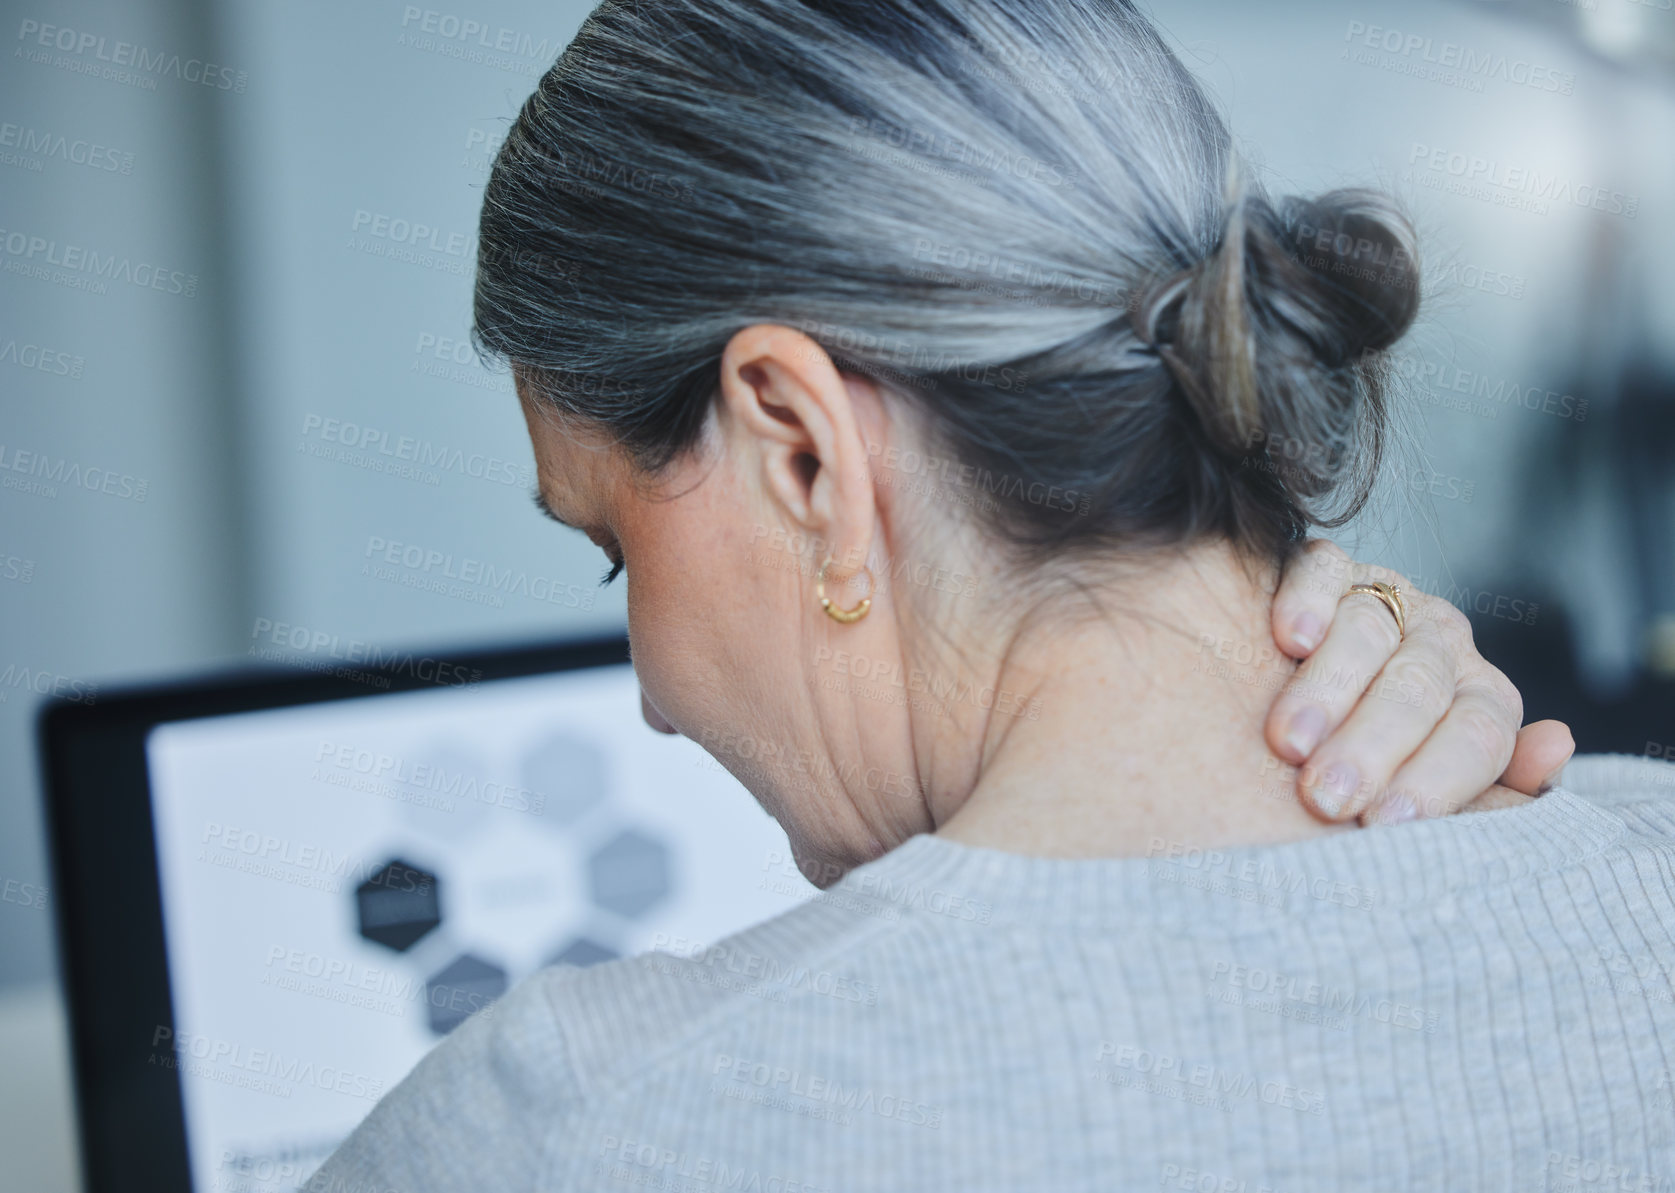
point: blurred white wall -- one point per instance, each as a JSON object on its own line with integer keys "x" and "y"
{"x": 112, "y": 381}
{"x": 322, "y": 191}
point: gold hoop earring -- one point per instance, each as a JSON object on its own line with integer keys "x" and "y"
{"x": 846, "y": 616}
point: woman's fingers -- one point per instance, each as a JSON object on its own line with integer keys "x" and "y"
{"x": 1538, "y": 756}
{"x": 1498, "y": 797}
{"x": 1398, "y": 714}
{"x": 1541, "y": 753}
{"x": 1466, "y": 752}
{"x": 1361, "y": 638}
{"x": 1307, "y": 601}
{"x": 1385, "y": 728}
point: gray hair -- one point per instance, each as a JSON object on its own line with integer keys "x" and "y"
{"x": 1023, "y": 217}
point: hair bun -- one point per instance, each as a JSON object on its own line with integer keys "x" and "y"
{"x": 1269, "y": 336}
{"x": 1364, "y": 257}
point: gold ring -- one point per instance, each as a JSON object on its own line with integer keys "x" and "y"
{"x": 1391, "y": 595}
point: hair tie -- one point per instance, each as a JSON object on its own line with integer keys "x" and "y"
{"x": 1155, "y": 319}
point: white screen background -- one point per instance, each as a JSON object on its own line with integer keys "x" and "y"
{"x": 290, "y": 1023}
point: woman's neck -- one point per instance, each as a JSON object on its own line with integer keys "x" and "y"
{"x": 1149, "y": 733}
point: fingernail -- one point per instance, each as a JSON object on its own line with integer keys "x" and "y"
{"x": 1337, "y": 786}
{"x": 1395, "y": 810}
{"x": 1307, "y": 631}
{"x": 1305, "y": 730}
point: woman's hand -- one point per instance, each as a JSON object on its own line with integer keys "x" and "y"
{"x": 1386, "y": 728}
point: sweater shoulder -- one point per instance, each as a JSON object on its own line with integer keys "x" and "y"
{"x": 503, "y": 1063}
{"x": 1637, "y": 788}
{"x": 566, "y": 1038}
{"x": 621, "y": 1018}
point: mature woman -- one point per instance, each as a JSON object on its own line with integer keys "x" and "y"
{"x": 955, "y": 404}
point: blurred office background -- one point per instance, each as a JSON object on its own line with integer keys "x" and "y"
{"x": 225, "y": 437}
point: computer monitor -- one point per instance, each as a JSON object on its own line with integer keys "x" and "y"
{"x": 279, "y": 893}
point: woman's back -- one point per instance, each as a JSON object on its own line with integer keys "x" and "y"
{"x": 1480, "y": 1002}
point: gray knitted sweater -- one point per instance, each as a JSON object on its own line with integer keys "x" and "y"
{"x": 1478, "y": 1003}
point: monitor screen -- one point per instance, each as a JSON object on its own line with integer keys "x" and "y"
{"x": 345, "y": 883}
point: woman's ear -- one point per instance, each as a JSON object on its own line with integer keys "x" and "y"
{"x": 798, "y": 431}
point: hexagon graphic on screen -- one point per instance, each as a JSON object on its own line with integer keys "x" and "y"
{"x": 629, "y": 874}
{"x": 398, "y": 905}
{"x": 583, "y": 951}
{"x": 460, "y": 989}
{"x": 441, "y": 788}
{"x": 568, "y": 775}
